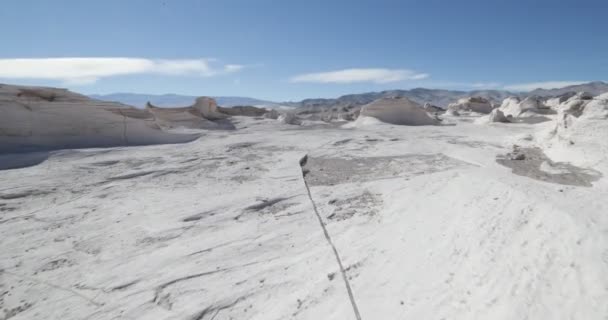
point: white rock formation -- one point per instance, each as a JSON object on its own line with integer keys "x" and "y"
{"x": 579, "y": 132}
{"x": 272, "y": 114}
{"x": 597, "y": 108}
{"x": 472, "y": 104}
{"x": 399, "y": 111}
{"x": 35, "y": 118}
{"x": 510, "y": 106}
{"x": 528, "y": 107}
{"x": 171, "y": 118}
{"x": 426, "y": 223}
{"x": 495, "y": 116}
{"x": 432, "y": 108}
{"x": 289, "y": 118}
{"x": 202, "y": 115}
{"x": 556, "y": 101}
{"x": 573, "y": 105}
{"x": 451, "y": 113}
{"x": 208, "y": 108}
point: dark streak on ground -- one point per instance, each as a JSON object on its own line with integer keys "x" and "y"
{"x": 527, "y": 162}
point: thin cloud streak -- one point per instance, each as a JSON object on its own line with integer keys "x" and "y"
{"x": 374, "y": 75}
{"x": 82, "y": 71}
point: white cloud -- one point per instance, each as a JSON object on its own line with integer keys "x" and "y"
{"x": 78, "y": 71}
{"x": 542, "y": 85}
{"x": 485, "y": 85}
{"x": 233, "y": 68}
{"x": 376, "y": 75}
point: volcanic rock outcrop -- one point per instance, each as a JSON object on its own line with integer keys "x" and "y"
{"x": 39, "y": 118}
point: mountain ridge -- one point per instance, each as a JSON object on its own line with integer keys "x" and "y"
{"x": 438, "y": 97}
{"x": 176, "y": 100}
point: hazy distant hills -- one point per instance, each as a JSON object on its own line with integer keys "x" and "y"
{"x": 175, "y": 100}
{"x": 438, "y": 97}
{"x": 442, "y": 98}
{"x": 594, "y": 88}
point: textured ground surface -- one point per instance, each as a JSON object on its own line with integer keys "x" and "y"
{"x": 424, "y": 222}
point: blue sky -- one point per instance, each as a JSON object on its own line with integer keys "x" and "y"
{"x": 289, "y": 50}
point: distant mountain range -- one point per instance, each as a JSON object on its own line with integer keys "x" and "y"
{"x": 175, "y": 100}
{"x": 594, "y": 88}
{"x": 437, "y": 97}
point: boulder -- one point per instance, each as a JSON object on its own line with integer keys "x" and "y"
{"x": 399, "y": 111}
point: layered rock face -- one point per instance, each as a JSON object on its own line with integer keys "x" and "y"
{"x": 472, "y": 104}
{"x": 37, "y": 118}
{"x": 399, "y": 111}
